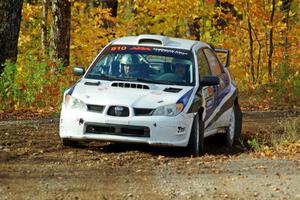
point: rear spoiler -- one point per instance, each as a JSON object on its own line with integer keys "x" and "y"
{"x": 220, "y": 50}
{"x": 227, "y": 52}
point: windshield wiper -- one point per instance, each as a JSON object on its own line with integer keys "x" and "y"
{"x": 147, "y": 80}
{"x": 133, "y": 79}
{"x": 102, "y": 76}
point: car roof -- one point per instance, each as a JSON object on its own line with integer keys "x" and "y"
{"x": 158, "y": 41}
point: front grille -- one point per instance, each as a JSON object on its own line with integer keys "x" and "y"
{"x": 95, "y": 108}
{"x": 130, "y": 85}
{"x": 123, "y": 130}
{"x": 119, "y": 111}
{"x": 142, "y": 111}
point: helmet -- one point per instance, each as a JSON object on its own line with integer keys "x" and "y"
{"x": 129, "y": 59}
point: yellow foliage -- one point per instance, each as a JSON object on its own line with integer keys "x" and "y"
{"x": 89, "y": 34}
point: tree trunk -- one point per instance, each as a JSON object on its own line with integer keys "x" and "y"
{"x": 259, "y": 55}
{"x": 10, "y": 20}
{"x": 44, "y": 26}
{"x": 286, "y": 7}
{"x": 194, "y": 28}
{"x": 251, "y": 50}
{"x": 113, "y": 6}
{"x": 60, "y": 31}
{"x": 271, "y": 47}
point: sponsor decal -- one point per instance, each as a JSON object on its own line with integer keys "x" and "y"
{"x": 140, "y": 49}
{"x": 210, "y": 90}
{"x": 170, "y": 51}
{"x": 103, "y": 88}
{"x": 156, "y": 93}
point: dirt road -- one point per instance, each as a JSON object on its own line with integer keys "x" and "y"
{"x": 34, "y": 165}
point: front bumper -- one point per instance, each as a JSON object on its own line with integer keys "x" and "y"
{"x": 153, "y": 130}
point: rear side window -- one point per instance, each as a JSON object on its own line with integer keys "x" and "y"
{"x": 213, "y": 62}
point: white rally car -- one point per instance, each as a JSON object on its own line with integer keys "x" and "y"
{"x": 155, "y": 90}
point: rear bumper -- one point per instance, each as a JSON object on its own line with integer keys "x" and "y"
{"x": 153, "y": 130}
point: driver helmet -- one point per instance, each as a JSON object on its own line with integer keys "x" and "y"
{"x": 181, "y": 67}
{"x": 129, "y": 59}
{"x": 128, "y": 63}
{"x": 180, "y": 63}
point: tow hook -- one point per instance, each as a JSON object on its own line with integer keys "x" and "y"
{"x": 81, "y": 121}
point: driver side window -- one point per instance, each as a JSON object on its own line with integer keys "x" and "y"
{"x": 204, "y": 69}
{"x": 213, "y": 62}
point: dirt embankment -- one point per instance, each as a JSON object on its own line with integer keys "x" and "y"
{"x": 34, "y": 165}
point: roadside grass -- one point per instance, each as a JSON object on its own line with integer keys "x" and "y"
{"x": 281, "y": 137}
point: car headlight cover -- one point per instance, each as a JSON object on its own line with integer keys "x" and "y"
{"x": 74, "y": 103}
{"x": 173, "y": 109}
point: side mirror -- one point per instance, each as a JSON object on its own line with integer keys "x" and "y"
{"x": 209, "y": 81}
{"x": 78, "y": 71}
{"x": 227, "y": 58}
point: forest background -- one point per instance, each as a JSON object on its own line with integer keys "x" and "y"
{"x": 55, "y": 35}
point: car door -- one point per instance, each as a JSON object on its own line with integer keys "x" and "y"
{"x": 221, "y": 90}
{"x": 208, "y": 92}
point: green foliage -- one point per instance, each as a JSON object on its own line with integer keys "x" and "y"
{"x": 33, "y": 84}
{"x": 8, "y": 88}
{"x": 254, "y": 145}
{"x": 290, "y": 132}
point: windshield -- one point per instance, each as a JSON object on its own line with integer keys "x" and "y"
{"x": 144, "y": 64}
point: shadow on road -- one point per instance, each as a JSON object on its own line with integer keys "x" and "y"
{"x": 214, "y": 145}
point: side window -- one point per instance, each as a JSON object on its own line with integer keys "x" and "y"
{"x": 203, "y": 65}
{"x": 213, "y": 62}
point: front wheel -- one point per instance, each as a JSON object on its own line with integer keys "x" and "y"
{"x": 196, "y": 142}
{"x": 235, "y": 125}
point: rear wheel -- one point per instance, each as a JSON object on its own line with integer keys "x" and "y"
{"x": 196, "y": 142}
{"x": 235, "y": 125}
{"x": 69, "y": 143}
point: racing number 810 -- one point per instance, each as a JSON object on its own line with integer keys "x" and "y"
{"x": 122, "y": 48}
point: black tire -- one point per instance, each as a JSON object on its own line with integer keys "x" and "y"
{"x": 234, "y": 129}
{"x": 70, "y": 143}
{"x": 196, "y": 142}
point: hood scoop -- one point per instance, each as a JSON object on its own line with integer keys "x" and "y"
{"x": 92, "y": 83}
{"x": 172, "y": 90}
{"x": 130, "y": 85}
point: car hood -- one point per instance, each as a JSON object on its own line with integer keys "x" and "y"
{"x": 110, "y": 93}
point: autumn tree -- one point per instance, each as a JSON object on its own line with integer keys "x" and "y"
{"x": 286, "y": 8}
{"x": 223, "y": 9}
{"x": 271, "y": 44}
{"x": 60, "y": 31}
{"x": 10, "y": 18}
{"x": 112, "y": 6}
{"x": 44, "y": 35}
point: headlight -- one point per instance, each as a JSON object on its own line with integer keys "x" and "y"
{"x": 168, "y": 110}
{"x": 173, "y": 109}
{"x": 74, "y": 103}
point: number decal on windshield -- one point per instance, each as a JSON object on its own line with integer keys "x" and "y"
{"x": 122, "y": 48}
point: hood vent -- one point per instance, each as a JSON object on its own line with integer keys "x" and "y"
{"x": 172, "y": 90}
{"x": 92, "y": 83}
{"x": 130, "y": 85}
